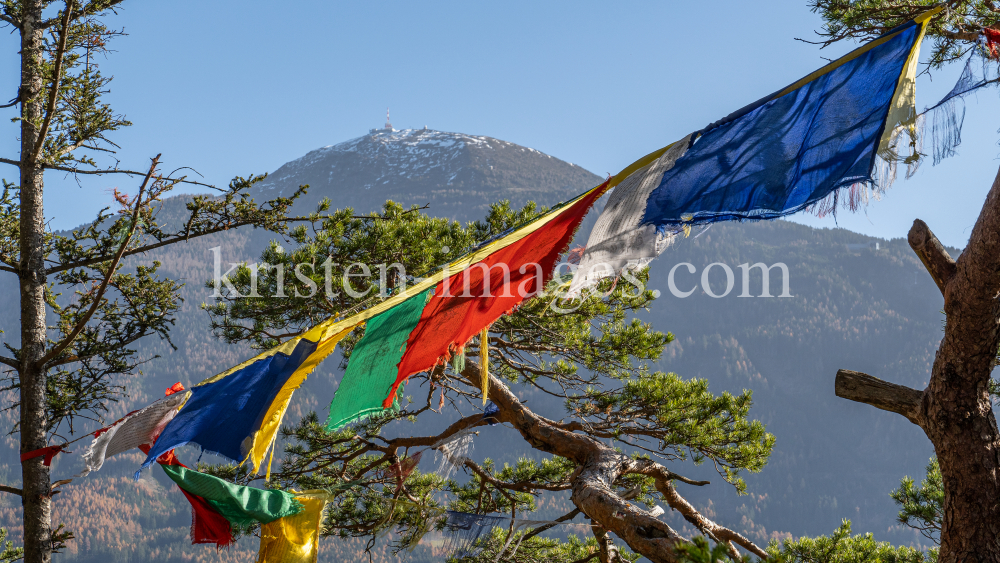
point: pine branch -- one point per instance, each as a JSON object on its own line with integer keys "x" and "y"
{"x": 11, "y": 20}
{"x": 90, "y": 9}
{"x": 590, "y": 557}
{"x": 50, "y": 109}
{"x": 153, "y": 246}
{"x": 60, "y": 347}
{"x": 77, "y": 170}
{"x": 95, "y": 6}
{"x": 520, "y": 486}
{"x": 11, "y": 162}
{"x": 10, "y": 362}
{"x": 599, "y": 465}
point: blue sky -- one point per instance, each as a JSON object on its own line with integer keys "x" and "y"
{"x": 232, "y": 88}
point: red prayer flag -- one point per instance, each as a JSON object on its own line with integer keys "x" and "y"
{"x": 46, "y": 453}
{"x": 462, "y": 304}
{"x": 992, "y": 40}
{"x": 207, "y": 525}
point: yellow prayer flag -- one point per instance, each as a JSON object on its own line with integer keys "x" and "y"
{"x": 294, "y": 539}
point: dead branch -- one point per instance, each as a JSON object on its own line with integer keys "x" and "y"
{"x": 863, "y": 388}
{"x": 940, "y": 265}
{"x": 11, "y": 490}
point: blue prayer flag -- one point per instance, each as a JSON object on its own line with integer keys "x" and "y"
{"x": 792, "y": 149}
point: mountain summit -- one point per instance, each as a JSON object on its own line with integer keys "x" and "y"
{"x": 459, "y": 175}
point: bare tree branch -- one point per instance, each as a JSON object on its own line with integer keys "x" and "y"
{"x": 14, "y": 101}
{"x": 101, "y": 172}
{"x": 82, "y": 323}
{"x": 80, "y": 144}
{"x": 74, "y": 358}
{"x": 522, "y": 487}
{"x": 153, "y": 246}
{"x": 456, "y": 427}
{"x": 863, "y": 388}
{"x": 940, "y": 265}
{"x": 607, "y": 551}
{"x": 970, "y": 36}
{"x": 720, "y": 533}
{"x": 564, "y": 518}
{"x": 600, "y": 466}
{"x": 11, "y": 20}
{"x": 11, "y": 490}
{"x": 10, "y": 362}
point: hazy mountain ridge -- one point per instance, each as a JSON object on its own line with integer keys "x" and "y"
{"x": 875, "y": 311}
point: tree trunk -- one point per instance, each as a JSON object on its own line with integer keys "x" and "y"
{"x": 593, "y": 492}
{"x": 958, "y": 414}
{"x": 35, "y": 476}
{"x": 955, "y": 411}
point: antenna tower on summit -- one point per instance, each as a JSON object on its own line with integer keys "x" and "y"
{"x": 388, "y": 125}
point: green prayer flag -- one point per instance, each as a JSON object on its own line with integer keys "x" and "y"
{"x": 242, "y": 506}
{"x": 374, "y": 363}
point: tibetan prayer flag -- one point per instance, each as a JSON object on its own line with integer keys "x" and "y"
{"x": 371, "y": 372}
{"x": 468, "y": 301}
{"x": 295, "y": 539}
{"x": 414, "y": 331}
{"x": 795, "y": 147}
{"x": 241, "y": 506}
{"x": 207, "y": 525}
{"x": 237, "y": 413}
{"x": 466, "y": 533}
{"x": 135, "y": 429}
{"x": 619, "y": 238}
{"x": 788, "y": 151}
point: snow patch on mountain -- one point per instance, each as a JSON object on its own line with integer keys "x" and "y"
{"x": 407, "y": 153}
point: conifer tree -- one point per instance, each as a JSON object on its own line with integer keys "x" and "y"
{"x": 955, "y": 411}
{"x": 65, "y": 354}
{"x": 614, "y": 447}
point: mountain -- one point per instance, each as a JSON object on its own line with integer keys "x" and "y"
{"x": 458, "y": 175}
{"x": 857, "y": 303}
{"x": 853, "y": 306}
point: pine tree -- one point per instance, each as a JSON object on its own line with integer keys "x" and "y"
{"x": 621, "y": 429}
{"x": 955, "y": 410}
{"x": 67, "y": 369}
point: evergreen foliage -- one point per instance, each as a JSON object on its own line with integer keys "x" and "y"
{"x": 922, "y": 507}
{"x": 9, "y": 553}
{"x": 594, "y": 355}
{"x": 72, "y": 349}
{"x": 842, "y": 547}
{"x": 952, "y": 34}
